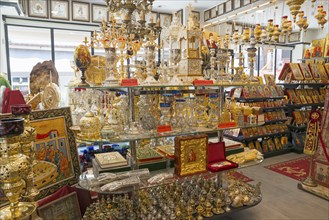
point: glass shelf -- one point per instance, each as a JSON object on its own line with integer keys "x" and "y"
{"x": 87, "y": 177}
{"x": 216, "y": 84}
{"x": 147, "y": 135}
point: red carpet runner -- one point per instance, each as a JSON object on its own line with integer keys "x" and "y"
{"x": 297, "y": 168}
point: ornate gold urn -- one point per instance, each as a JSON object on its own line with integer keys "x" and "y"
{"x": 90, "y": 126}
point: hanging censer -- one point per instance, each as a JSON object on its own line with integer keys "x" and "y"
{"x": 270, "y": 29}
{"x": 321, "y": 16}
{"x": 294, "y": 6}
{"x": 235, "y": 37}
{"x": 276, "y": 33}
{"x": 257, "y": 32}
{"x": 263, "y": 36}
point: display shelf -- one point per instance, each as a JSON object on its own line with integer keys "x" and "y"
{"x": 274, "y": 108}
{"x": 145, "y": 135}
{"x": 258, "y": 99}
{"x": 277, "y": 152}
{"x": 242, "y": 139}
{"x": 87, "y": 179}
{"x": 275, "y": 121}
{"x": 295, "y": 85}
{"x": 293, "y": 127}
{"x": 305, "y": 105}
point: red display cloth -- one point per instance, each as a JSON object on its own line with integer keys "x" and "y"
{"x": 11, "y": 97}
{"x": 84, "y": 197}
{"x": 216, "y": 154}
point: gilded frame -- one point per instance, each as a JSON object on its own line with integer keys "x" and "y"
{"x": 50, "y": 119}
{"x": 191, "y": 155}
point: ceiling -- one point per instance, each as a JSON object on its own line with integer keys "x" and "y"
{"x": 261, "y": 16}
{"x": 170, "y": 6}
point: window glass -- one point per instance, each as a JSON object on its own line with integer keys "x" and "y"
{"x": 266, "y": 61}
{"x": 282, "y": 57}
{"x": 65, "y": 42}
{"x": 27, "y": 47}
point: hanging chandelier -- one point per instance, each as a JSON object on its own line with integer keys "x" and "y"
{"x": 128, "y": 7}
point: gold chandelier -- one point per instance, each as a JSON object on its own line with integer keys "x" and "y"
{"x": 129, "y": 6}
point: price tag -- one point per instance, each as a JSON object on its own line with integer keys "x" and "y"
{"x": 129, "y": 82}
{"x": 199, "y": 82}
{"x": 164, "y": 128}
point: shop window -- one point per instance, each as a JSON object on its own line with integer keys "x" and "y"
{"x": 27, "y": 47}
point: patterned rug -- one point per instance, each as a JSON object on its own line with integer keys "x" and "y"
{"x": 239, "y": 176}
{"x": 297, "y": 168}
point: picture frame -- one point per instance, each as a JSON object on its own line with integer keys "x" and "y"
{"x": 228, "y": 6}
{"x": 321, "y": 172}
{"x": 153, "y": 15}
{"x": 220, "y": 9}
{"x": 99, "y": 13}
{"x": 246, "y": 2}
{"x": 80, "y": 11}
{"x": 196, "y": 16}
{"x": 165, "y": 19}
{"x": 65, "y": 207}
{"x": 191, "y": 154}
{"x": 237, "y": 4}
{"x": 179, "y": 14}
{"x": 59, "y": 9}
{"x": 213, "y": 12}
{"x": 206, "y": 15}
{"x": 38, "y": 8}
{"x": 318, "y": 47}
{"x": 294, "y": 37}
{"x": 326, "y": 50}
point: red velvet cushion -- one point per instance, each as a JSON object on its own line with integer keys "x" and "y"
{"x": 216, "y": 152}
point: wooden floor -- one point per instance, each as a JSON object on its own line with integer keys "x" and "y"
{"x": 281, "y": 197}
